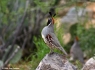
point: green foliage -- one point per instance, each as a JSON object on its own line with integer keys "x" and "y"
{"x": 17, "y": 57}
{"x": 11, "y": 12}
{"x": 44, "y": 5}
{"x": 42, "y": 50}
{"x": 59, "y": 31}
{"x": 87, "y": 41}
{"x": 73, "y": 30}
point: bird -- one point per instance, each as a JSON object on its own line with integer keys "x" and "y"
{"x": 50, "y": 38}
{"x": 76, "y": 52}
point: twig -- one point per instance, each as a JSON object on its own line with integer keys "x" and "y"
{"x": 13, "y": 54}
{"x": 26, "y": 38}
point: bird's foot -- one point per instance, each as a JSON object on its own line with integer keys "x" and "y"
{"x": 50, "y": 53}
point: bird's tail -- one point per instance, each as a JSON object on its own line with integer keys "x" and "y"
{"x": 62, "y": 49}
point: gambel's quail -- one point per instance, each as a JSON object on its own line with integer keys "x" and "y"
{"x": 49, "y": 36}
{"x": 76, "y": 52}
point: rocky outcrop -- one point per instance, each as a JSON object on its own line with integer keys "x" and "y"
{"x": 90, "y": 64}
{"x": 55, "y": 61}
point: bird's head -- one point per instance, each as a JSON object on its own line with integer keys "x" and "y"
{"x": 51, "y": 19}
{"x": 76, "y": 38}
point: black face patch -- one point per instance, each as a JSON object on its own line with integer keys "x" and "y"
{"x": 49, "y": 21}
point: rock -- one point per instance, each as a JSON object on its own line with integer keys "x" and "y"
{"x": 90, "y": 64}
{"x": 55, "y": 61}
{"x": 74, "y": 14}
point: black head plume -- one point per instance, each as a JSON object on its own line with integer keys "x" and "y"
{"x": 52, "y": 12}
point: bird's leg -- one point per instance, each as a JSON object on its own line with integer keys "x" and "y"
{"x": 51, "y": 51}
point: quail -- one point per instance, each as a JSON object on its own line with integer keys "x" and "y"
{"x": 76, "y": 52}
{"x": 49, "y": 36}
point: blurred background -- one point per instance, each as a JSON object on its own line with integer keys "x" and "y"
{"x": 21, "y": 22}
